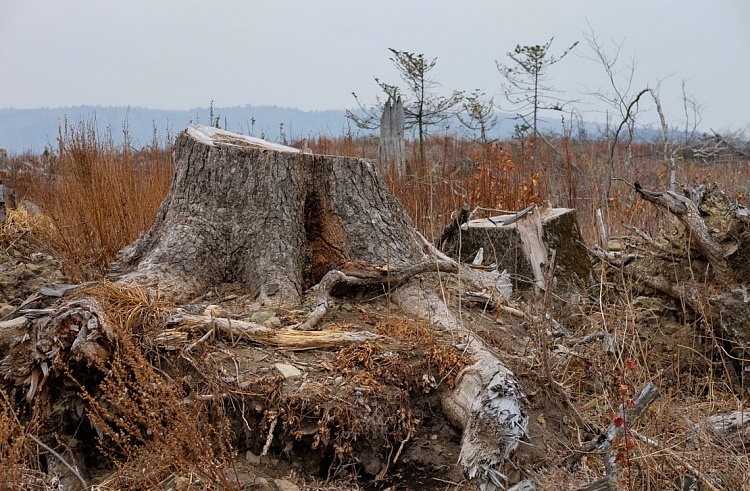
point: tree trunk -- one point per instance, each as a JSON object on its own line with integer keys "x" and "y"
{"x": 392, "y": 148}
{"x": 523, "y": 244}
{"x": 265, "y": 216}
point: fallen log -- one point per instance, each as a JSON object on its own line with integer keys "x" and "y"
{"x": 487, "y": 402}
{"x": 725, "y": 429}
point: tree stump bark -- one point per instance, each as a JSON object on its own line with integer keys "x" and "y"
{"x": 266, "y": 216}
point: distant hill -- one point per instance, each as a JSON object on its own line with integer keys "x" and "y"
{"x": 33, "y": 129}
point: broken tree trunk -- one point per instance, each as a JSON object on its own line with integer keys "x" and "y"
{"x": 392, "y": 150}
{"x": 524, "y": 243}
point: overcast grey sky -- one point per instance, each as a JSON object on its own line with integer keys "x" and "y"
{"x": 311, "y": 54}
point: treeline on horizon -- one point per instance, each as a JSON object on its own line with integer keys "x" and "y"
{"x": 33, "y": 130}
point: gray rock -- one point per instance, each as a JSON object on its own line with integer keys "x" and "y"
{"x": 262, "y": 484}
{"x": 262, "y": 316}
{"x": 289, "y": 372}
{"x": 284, "y": 485}
{"x": 272, "y": 322}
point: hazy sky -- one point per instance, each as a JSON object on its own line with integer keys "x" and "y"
{"x": 311, "y": 54}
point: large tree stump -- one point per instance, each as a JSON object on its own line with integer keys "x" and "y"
{"x": 275, "y": 222}
{"x": 266, "y": 216}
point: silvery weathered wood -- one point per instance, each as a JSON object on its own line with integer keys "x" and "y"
{"x": 392, "y": 150}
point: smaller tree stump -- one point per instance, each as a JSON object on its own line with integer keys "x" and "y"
{"x": 524, "y": 243}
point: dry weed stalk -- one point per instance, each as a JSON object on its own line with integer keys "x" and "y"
{"x": 144, "y": 426}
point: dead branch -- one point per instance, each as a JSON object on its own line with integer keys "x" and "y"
{"x": 289, "y": 338}
{"x": 700, "y": 238}
{"x": 336, "y": 279}
{"x": 461, "y": 217}
{"x": 59, "y": 457}
{"x": 720, "y": 139}
{"x": 603, "y": 443}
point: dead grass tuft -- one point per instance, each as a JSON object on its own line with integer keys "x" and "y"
{"x": 145, "y": 427}
{"x": 27, "y": 232}
{"x": 448, "y": 361}
{"x": 98, "y": 196}
{"x": 408, "y": 330}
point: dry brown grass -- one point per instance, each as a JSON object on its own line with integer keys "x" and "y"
{"x": 146, "y": 430}
{"x": 99, "y": 197}
{"x": 574, "y": 174}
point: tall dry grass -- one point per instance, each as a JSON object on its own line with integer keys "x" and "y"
{"x": 99, "y": 196}
{"x": 569, "y": 173}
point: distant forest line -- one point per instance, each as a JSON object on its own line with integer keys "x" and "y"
{"x": 32, "y": 130}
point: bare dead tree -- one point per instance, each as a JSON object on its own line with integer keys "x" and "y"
{"x": 391, "y": 150}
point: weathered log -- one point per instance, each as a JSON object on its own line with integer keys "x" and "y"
{"x": 487, "y": 402}
{"x": 725, "y": 429}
